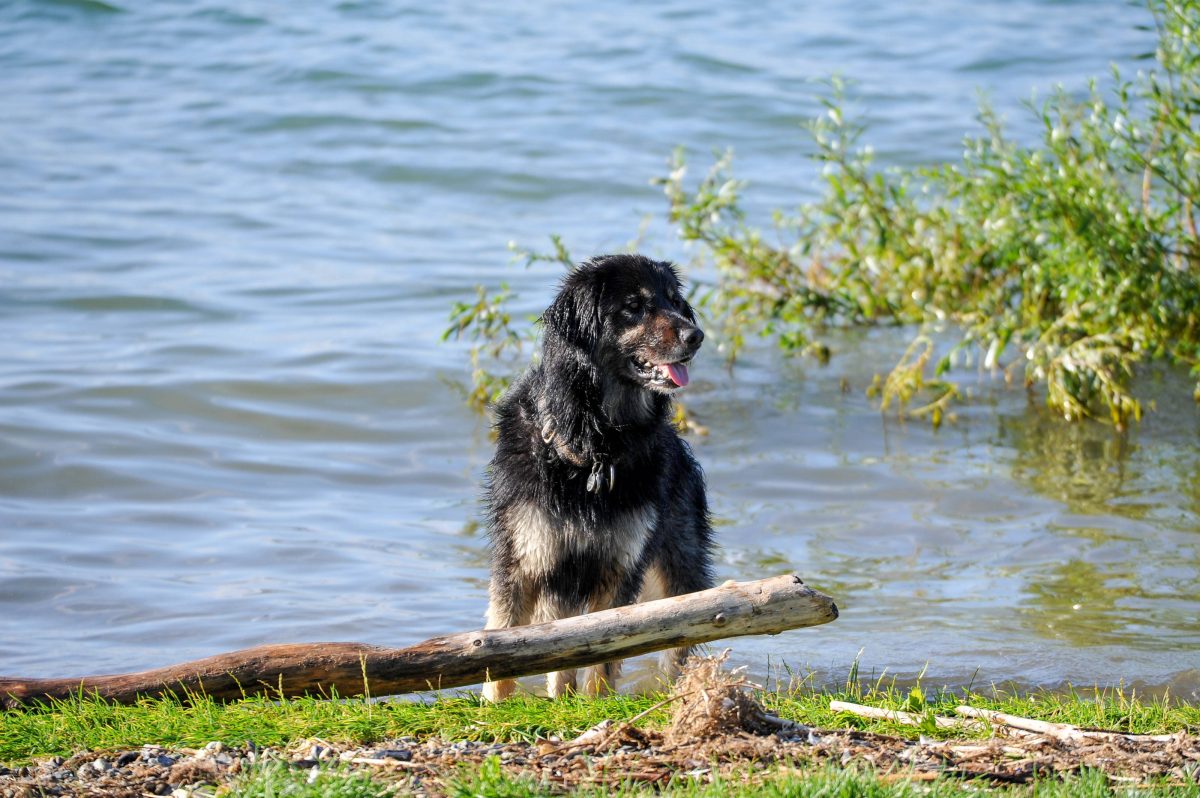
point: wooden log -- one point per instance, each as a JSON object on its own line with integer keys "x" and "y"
{"x": 766, "y": 606}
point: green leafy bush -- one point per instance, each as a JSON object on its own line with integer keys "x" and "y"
{"x": 1076, "y": 260}
{"x": 1069, "y": 263}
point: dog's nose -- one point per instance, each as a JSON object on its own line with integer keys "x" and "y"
{"x": 692, "y": 337}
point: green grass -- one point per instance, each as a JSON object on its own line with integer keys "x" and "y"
{"x": 1112, "y": 709}
{"x": 84, "y": 723}
{"x": 278, "y": 780}
{"x": 810, "y": 782}
{"x": 784, "y": 782}
{"x": 90, "y": 724}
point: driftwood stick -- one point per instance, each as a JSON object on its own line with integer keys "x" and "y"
{"x": 1060, "y": 731}
{"x": 766, "y": 606}
{"x": 898, "y": 716}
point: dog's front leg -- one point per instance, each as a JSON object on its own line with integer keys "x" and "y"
{"x": 601, "y": 680}
{"x": 561, "y": 683}
{"x": 507, "y": 606}
{"x": 554, "y": 608}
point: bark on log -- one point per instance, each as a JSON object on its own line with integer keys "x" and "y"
{"x": 766, "y": 606}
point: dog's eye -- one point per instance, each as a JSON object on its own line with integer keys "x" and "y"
{"x": 633, "y": 305}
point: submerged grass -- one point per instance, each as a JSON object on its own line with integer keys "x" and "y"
{"x": 84, "y": 723}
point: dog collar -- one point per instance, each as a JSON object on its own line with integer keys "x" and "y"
{"x": 600, "y": 478}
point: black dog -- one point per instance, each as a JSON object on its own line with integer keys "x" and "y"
{"x": 593, "y": 499}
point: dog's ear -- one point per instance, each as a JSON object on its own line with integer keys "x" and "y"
{"x": 574, "y": 315}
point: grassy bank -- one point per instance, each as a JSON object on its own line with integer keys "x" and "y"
{"x": 90, "y": 724}
{"x": 84, "y": 724}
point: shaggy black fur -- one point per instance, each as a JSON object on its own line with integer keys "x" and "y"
{"x": 592, "y": 495}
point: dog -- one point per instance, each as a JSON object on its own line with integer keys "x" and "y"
{"x": 593, "y": 500}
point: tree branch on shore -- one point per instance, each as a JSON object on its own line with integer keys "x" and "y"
{"x": 765, "y": 606}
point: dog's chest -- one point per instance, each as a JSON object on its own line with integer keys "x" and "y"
{"x": 541, "y": 542}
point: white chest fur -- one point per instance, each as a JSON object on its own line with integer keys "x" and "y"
{"x": 541, "y": 542}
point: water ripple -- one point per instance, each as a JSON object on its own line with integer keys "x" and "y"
{"x": 230, "y": 239}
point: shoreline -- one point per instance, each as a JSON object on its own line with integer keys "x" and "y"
{"x": 529, "y": 745}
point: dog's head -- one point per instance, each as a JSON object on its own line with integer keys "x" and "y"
{"x": 628, "y": 314}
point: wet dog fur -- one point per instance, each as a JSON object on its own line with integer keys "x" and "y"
{"x": 593, "y": 500}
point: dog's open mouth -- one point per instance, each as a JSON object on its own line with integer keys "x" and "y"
{"x": 673, "y": 375}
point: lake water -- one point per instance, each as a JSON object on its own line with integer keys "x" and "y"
{"x": 230, "y": 234}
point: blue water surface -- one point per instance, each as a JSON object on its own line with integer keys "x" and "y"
{"x": 230, "y": 236}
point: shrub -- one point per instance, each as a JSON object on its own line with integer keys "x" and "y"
{"x": 1075, "y": 259}
{"x": 1069, "y": 263}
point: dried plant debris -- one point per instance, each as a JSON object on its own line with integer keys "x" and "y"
{"x": 717, "y": 727}
{"x": 715, "y": 702}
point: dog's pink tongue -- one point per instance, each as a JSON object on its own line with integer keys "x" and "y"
{"x": 677, "y": 372}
